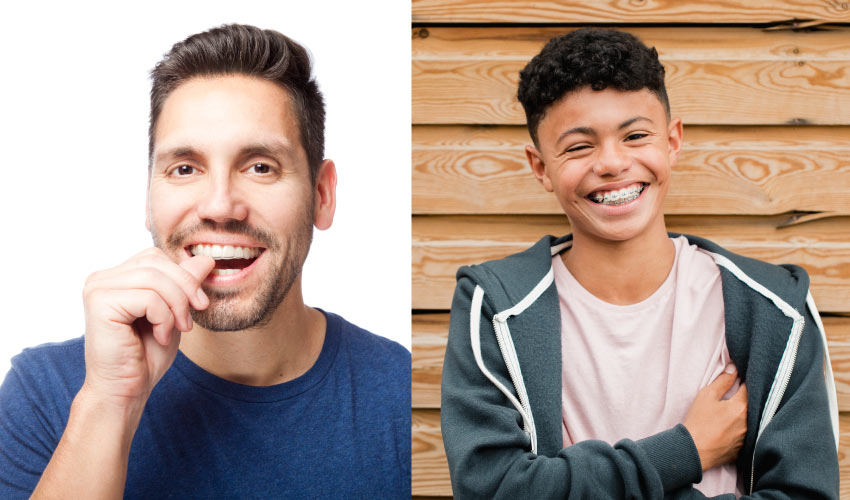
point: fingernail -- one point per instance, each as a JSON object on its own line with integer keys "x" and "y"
{"x": 189, "y": 320}
{"x": 730, "y": 368}
{"x": 202, "y": 297}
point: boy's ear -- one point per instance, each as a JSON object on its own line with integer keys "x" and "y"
{"x": 535, "y": 161}
{"x": 674, "y": 140}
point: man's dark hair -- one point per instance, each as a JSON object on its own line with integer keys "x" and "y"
{"x": 237, "y": 49}
{"x": 588, "y": 57}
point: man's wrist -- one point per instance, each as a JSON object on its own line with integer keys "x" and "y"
{"x": 116, "y": 417}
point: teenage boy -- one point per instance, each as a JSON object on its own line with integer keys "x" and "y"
{"x": 202, "y": 373}
{"x": 601, "y": 364}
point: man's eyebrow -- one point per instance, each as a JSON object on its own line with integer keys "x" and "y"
{"x": 273, "y": 148}
{"x": 175, "y": 153}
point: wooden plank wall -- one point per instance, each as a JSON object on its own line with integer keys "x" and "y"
{"x": 765, "y": 169}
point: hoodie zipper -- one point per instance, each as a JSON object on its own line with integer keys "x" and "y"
{"x": 513, "y": 371}
{"x": 772, "y": 405}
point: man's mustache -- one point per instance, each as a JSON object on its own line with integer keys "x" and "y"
{"x": 176, "y": 239}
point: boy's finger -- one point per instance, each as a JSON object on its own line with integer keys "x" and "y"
{"x": 723, "y": 383}
{"x": 741, "y": 394}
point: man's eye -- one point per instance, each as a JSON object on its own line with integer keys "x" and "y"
{"x": 261, "y": 168}
{"x": 184, "y": 170}
{"x": 636, "y": 136}
{"x": 577, "y": 148}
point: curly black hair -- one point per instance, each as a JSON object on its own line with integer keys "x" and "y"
{"x": 588, "y": 56}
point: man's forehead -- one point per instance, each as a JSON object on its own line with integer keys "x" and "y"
{"x": 237, "y": 112}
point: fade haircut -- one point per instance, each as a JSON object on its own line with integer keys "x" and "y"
{"x": 238, "y": 49}
{"x": 588, "y": 57}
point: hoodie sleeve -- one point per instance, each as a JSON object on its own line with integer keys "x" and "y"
{"x": 796, "y": 456}
{"x": 489, "y": 453}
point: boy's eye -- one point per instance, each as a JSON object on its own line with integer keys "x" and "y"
{"x": 636, "y": 136}
{"x": 577, "y": 148}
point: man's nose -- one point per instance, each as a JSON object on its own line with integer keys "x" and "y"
{"x": 612, "y": 160}
{"x": 222, "y": 200}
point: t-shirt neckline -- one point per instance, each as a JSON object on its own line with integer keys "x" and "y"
{"x": 659, "y": 295}
{"x": 265, "y": 394}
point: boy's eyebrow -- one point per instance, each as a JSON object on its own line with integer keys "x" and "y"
{"x": 632, "y": 120}
{"x": 576, "y": 130}
{"x": 590, "y": 131}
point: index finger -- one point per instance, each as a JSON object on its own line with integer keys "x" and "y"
{"x": 198, "y": 266}
{"x": 187, "y": 274}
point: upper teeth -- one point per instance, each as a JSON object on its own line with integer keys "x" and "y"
{"x": 225, "y": 251}
{"x": 618, "y": 196}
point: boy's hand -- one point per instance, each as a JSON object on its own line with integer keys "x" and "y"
{"x": 134, "y": 315}
{"x": 718, "y": 427}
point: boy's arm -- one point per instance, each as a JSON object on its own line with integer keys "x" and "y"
{"x": 488, "y": 452}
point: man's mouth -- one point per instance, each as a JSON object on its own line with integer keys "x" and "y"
{"x": 229, "y": 259}
{"x": 618, "y": 196}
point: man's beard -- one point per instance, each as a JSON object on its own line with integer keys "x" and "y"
{"x": 221, "y": 315}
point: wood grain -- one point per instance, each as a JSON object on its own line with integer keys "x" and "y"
{"x": 683, "y": 43}
{"x": 701, "y": 92}
{"x": 431, "y": 471}
{"x": 714, "y": 75}
{"x": 632, "y": 11}
{"x": 721, "y": 170}
{"x": 441, "y": 244}
{"x": 430, "y": 332}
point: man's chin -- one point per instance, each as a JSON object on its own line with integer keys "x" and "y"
{"x": 228, "y": 321}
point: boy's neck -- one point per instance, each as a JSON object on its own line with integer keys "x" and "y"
{"x": 621, "y": 272}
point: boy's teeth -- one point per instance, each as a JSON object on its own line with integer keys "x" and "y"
{"x": 225, "y": 251}
{"x": 618, "y": 196}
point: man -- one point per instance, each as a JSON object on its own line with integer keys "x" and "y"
{"x": 202, "y": 374}
{"x": 602, "y": 364}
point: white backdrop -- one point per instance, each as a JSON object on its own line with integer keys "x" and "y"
{"x": 74, "y": 117}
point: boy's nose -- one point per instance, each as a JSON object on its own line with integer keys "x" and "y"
{"x": 612, "y": 160}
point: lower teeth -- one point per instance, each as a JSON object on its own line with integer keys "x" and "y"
{"x": 224, "y": 272}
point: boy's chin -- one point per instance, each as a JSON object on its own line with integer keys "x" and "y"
{"x": 618, "y": 232}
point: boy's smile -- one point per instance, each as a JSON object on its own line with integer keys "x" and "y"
{"x": 607, "y": 156}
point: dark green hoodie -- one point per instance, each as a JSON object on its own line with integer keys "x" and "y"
{"x": 501, "y": 391}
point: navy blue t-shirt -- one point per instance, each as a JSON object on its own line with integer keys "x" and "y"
{"x": 341, "y": 430}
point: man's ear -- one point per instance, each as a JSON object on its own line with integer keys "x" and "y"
{"x": 674, "y": 140}
{"x": 324, "y": 204}
{"x": 535, "y": 161}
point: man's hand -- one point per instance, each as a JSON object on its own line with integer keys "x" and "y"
{"x": 718, "y": 427}
{"x": 135, "y": 313}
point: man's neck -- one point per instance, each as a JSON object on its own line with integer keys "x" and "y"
{"x": 621, "y": 272}
{"x": 279, "y": 351}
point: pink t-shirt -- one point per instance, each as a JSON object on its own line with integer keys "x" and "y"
{"x": 632, "y": 371}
